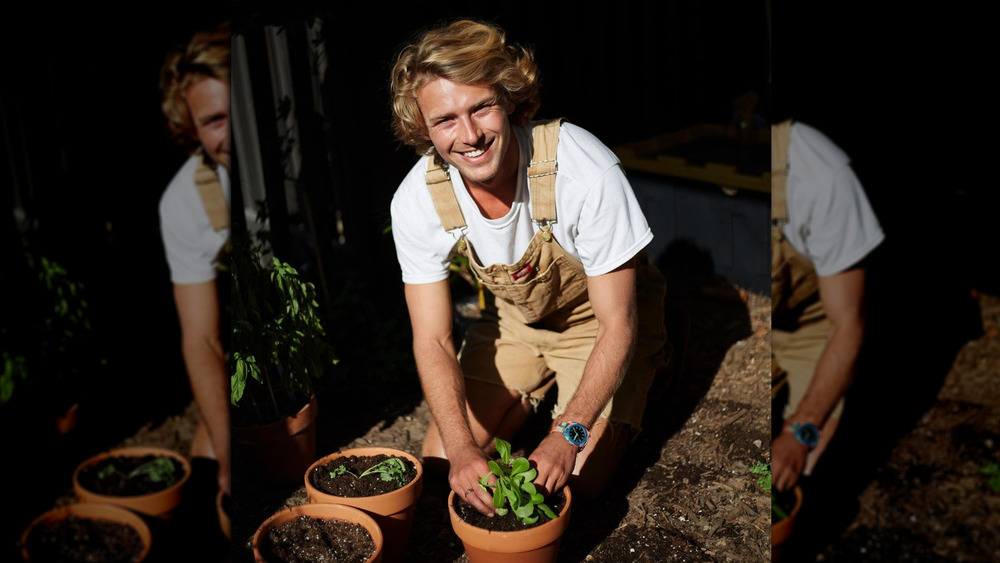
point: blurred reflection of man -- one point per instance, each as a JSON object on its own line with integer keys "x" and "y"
{"x": 823, "y": 227}
{"x": 194, "y": 214}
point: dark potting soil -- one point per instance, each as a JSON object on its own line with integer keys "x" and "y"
{"x": 84, "y": 540}
{"x": 508, "y": 522}
{"x": 347, "y": 485}
{"x": 315, "y": 540}
{"x": 110, "y": 476}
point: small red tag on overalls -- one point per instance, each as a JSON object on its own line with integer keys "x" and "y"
{"x": 525, "y": 271}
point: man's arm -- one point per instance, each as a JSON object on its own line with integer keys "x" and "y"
{"x": 842, "y": 296}
{"x": 444, "y": 388}
{"x": 612, "y": 297}
{"x": 198, "y": 309}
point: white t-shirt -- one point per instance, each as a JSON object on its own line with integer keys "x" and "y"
{"x": 192, "y": 245}
{"x": 829, "y": 218}
{"x": 599, "y": 220}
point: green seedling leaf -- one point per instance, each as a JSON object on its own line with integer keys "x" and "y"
{"x": 503, "y": 448}
{"x": 495, "y": 468}
{"x": 485, "y": 480}
{"x": 530, "y": 475}
{"x": 498, "y": 497}
{"x": 106, "y": 472}
{"x": 501, "y": 512}
{"x": 545, "y": 508}
{"x": 520, "y": 465}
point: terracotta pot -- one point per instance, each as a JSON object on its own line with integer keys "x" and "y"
{"x": 534, "y": 545}
{"x": 279, "y": 452}
{"x": 67, "y": 421}
{"x": 782, "y": 530}
{"x": 93, "y": 511}
{"x": 327, "y": 512}
{"x": 392, "y": 511}
{"x": 225, "y": 524}
{"x": 158, "y": 504}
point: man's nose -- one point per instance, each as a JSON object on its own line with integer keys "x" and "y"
{"x": 468, "y": 132}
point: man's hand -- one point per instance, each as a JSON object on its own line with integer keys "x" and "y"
{"x": 554, "y": 458}
{"x": 468, "y": 465}
{"x": 788, "y": 459}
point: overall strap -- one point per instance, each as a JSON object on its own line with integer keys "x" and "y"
{"x": 779, "y": 169}
{"x": 442, "y": 194}
{"x": 212, "y": 197}
{"x": 542, "y": 172}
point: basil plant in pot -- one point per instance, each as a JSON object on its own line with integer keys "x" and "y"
{"x": 279, "y": 350}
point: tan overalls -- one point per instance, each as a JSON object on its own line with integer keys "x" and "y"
{"x": 538, "y": 328}
{"x": 799, "y": 323}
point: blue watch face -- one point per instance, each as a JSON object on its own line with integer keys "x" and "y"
{"x": 576, "y": 434}
{"x": 807, "y": 433}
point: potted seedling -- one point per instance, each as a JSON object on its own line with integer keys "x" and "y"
{"x": 278, "y": 351}
{"x": 86, "y": 532}
{"x": 147, "y": 480}
{"x": 383, "y": 482}
{"x": 526, "y": 527}
{"x": 318, "y": 532}
{"x": 784, "y": 508}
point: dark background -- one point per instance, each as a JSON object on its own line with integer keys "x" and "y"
{"x": 903, "y": 93}
{"x": 84, "y": 147}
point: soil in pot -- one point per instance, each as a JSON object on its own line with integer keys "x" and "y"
{"x": 125, "y": 476}
{"x": 77, "y": 539}
{"x": 306, "y": 540}
{"x": 509, "y": 522}
{"x": 330, "y": 479}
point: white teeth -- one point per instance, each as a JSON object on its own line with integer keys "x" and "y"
{"x": 473, "y": 154}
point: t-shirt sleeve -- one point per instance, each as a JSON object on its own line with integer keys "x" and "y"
{"x": 612, "y": 228}
{"x": 189, "y": 261}
{"x": 420, "y": 249}
{"x": 843, "y": 228}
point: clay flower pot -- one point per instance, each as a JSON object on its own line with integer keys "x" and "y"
{"x": 93, "y": 511}
{"x": 533, "y": 545}
{"x": 782, "y": 529}
{"x": 324, "y": 511}
{"x": 392, "y": 511}
{"x": 158, "y": 504}
{"x": 278, "y": 452}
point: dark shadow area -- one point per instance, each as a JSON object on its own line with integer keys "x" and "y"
{"x": 85, "y": 160}
{"x": 911, "y": 139}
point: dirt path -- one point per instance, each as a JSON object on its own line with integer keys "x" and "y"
{"x": 930, "y": 501}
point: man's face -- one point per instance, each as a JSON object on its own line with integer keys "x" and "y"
{"x": 470, "y": 130}
{"x": 208, "y": 102}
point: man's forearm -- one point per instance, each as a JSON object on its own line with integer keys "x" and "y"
{"x": 604, "y": 372}
{"x": 833, "y": 375}
{"x": 208, "y": 375}
{"x": 444, "y": 389}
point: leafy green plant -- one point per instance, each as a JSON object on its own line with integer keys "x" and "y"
{"x": 992, "y": 470}
{"x": 279, "y": 346}
{"x": 159, "y": 470}
{"x": 513, "y": 489}
{"x": 763, "y": 471}
{"x": 392, "y": 469}
{"x": 49, "y": 346}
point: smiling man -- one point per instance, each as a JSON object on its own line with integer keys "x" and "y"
{"x": 194, "y": 215}
{"x": 552, "y": 230}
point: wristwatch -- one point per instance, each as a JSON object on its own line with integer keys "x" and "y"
{"x": 574, "y": 432}
{"x": 805, "y": 432}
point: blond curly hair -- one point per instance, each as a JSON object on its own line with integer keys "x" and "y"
{"x": 206, "y": 55}
{"x": 465, "y": 52}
